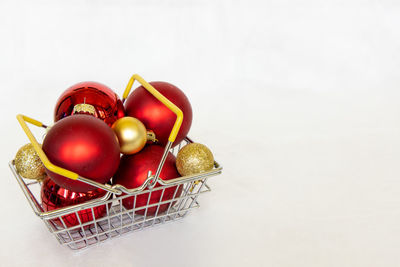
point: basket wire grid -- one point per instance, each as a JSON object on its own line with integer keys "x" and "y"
{"x": 117, "y": 219}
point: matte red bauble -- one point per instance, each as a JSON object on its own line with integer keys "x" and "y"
{"x": 55, "y": 197}
{"x": 106, "y": 103}
{"x": 85, "y": 145}
{"x": 155, "y": 116}
{"x": 133, "y": 171}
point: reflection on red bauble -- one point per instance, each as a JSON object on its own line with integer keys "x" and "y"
{"x": 133, "y": 171}
{"x": 84, "y": 145}
{"x": 155, "y": 115}
{"x": 55, "y": 197}
{"x": 107, "y": 104}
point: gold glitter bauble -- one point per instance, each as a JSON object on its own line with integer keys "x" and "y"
{"x": 28, "y": 163}
{"x": 131, "y": 134}
{"x": 194, "y": 158}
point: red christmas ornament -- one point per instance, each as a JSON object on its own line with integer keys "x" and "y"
{"x": 133, "y": 171}
{"x": 157, "y": 117}
{"x": 85, "y": 145}
{"x": 55, "y": 197}
{"x": 107, "y": 104}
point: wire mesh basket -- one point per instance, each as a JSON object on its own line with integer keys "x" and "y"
{"x": 117, "y": 219}
{"x": 118, "y": 211}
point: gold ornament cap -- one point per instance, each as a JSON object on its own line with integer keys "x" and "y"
{"x": 84, "y": 108}
{"x": 151, "y": 136}
{"x": 28, "y": 164}
{"x": 194, "y": 158}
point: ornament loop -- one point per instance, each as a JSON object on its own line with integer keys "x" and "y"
{"x": 151, "y": 136}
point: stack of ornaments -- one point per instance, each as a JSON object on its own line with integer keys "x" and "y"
{"x": 93, "y": 128}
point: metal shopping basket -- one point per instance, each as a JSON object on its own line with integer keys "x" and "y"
{"x": 117, "y": 219}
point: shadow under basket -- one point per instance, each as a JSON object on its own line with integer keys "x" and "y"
{"x": 120, "y": 215}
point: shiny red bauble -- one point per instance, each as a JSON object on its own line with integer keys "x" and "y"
{"x": 85, "y": 145}
{"x": 107, "y": 104}
{"x": 133, "y": 171}
{"x": 155, "y": 115}
{"x": 55, "y": 197}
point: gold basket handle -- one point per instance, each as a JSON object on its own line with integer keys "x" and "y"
{"x": 175, "y": 129}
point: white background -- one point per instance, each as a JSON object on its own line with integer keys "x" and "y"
{"x": 298, "y": 100}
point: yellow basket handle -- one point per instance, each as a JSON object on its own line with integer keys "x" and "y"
{"x": 22, "y": 119}
{"x": 162, "y": 99}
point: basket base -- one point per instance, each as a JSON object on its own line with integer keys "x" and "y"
{"x": 121, "y": 221}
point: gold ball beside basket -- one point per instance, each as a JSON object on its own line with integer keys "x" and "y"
{"x": 194, "y": 158}
{"x": 28, "y": 163}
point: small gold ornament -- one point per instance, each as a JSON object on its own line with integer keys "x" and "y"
{"x": 28, "y": 163}
{"x": 194, "y": 158}
{"x": 131, "y": 134}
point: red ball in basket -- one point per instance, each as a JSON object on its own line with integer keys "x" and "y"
{"x": 142, "y": 105}
{"x": 106, "y": 104}
{"x": 133, "y": 171}
{"x": 85, "y": 145}
{"x": 55, "y": 197}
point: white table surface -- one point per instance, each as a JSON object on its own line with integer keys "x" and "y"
{"x": 298, "y": 100}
